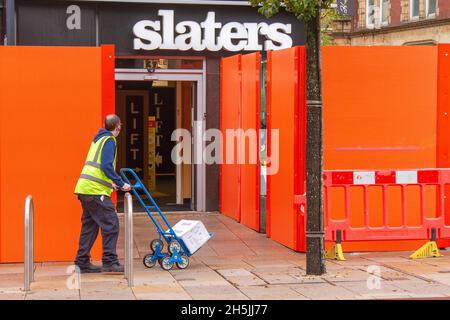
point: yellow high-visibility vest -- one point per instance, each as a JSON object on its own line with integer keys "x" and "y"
{"x": 93, "y": 181}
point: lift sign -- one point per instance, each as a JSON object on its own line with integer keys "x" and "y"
{"x": 191, "y": 35}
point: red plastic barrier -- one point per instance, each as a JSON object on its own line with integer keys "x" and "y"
{"x": 423, "y": 179}
{"x": 230, "y": 106}
{"x": 250, "y": 121}
{"x": 286, "y": 110}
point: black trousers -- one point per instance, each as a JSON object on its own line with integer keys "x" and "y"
{"x": 98, "y": 212}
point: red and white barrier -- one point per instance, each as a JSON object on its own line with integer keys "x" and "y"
{"x": 384, "y": 178}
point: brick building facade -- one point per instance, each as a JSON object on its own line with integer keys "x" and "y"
{"x": 395, "y": 22}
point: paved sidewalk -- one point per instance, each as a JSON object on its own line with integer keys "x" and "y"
{"x": 239, "y": 263}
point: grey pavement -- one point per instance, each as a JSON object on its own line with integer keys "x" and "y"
{"x": 237, "y": 264}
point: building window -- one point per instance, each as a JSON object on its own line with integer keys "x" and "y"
{"x": 384, "y": 16}
{"x": 414, "y": 9}
{"x": 431, "y": 8}
{"x": 370, "y": 13}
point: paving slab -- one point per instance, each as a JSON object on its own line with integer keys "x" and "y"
{"x": 54, "y": 283}
{"x": 46, "y": 270}
{"x": 241, "y": 277}
{"x": 268, "y": 262}
{"x": 10, "y": 281}
{"x": 351, "y": 261}
{"x": 271, "y": 292}
{"x": 101, "y": 277}
{"x": 197, "y": 279}
{"x": 11, "y": 269}
{"x": 394, "y": 275}
{"x": 346, "y": 274}
{"x": 53, "y": 295}
{"x": 12, "y": 296}
{"x": 413, "y": 267}
{"x": 231, "y": 248}
{"x": 215, "y": 292}
{"x": 419, "y": 288}
{"x": 442, "y": 278}
{"x": 153, "y": 276}
{"x": 224, "y": 262}
{"x": 206, "y": 251}
{"x": 277, "y": 277}
{"x": 325, "y": 291}
{"x": 368, "y": 290}
{"x": 157, "y": 291}
{"x": 107, "y": 290}
{"x": 303, "y": 278}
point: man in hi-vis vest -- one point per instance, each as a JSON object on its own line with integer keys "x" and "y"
{"x": 94, "y": 187}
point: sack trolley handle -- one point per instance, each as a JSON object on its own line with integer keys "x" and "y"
{"x": 140, "y": 185}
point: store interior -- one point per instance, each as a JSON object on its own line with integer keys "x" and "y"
{"x": 150, "y": 111}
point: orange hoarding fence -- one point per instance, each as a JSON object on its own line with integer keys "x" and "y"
{"x": 286, "y": 113}
{"x": 379, "y": 112}
{"x": 108, "y": 87}
{"x": 230, "y": 108}
{"x": 250, "y": 121}
{"x": 239, "y": 124}
{"x": 443, "y": 112}
{"x": 48, "y": 116}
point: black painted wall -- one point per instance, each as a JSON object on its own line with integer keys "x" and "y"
{"x": 212, "y": 121}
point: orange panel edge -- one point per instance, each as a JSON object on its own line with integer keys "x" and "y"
{"x": 443, "y": 125}
{"x": 258, "y": 136}
{"x": 1, "y": 259}
{"x": 108, "y": 88}
{"x": 223, "y": 205}
{"x": 268, "y": 137}
{"x": 220, "y": 126}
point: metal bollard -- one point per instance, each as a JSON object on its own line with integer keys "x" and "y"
{"x": 29, "y": 243}
{"x": 128, "y": 204}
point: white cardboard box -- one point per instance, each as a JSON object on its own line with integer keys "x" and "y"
{"x": 193, "y": 233}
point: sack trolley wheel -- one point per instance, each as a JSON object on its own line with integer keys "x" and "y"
{"x": 174, "y": 244}
{"x": 148, "y": 261}
{"x": 155, "y": 243}
{"x": 165, "y": 264}
{"x": 184, "y": 262}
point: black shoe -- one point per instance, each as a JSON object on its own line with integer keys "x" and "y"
{"x": 89, "y": 268}
{"x": 114, "y": 268}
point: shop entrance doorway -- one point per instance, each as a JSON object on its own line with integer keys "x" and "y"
{"x": 153, "y": 103}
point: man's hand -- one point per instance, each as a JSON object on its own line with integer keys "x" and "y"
{"x": 115, "y": 187}
{"x": 126, "y": 187}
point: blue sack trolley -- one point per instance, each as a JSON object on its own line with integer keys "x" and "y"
{"x": 177, "y": 252}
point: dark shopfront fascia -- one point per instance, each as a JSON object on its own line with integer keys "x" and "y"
{"x": 159, "y": 30}
{"x": 2, "y": 22}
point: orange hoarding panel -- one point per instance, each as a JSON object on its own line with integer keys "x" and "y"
{"x": 230, "y": 104}
{"x": 250, "y": 116}
{"x": 443, "y": 121}
{"x": 379, "y": 112}
{"x": 379, "y": 107}
{"x": 48, "y": 115}
{"x": 285, "y": 115}
{"x": 108, "y": 87}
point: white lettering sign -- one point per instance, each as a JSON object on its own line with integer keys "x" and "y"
{"x": 73, "y": 21}
{"x": 191, "y": 35}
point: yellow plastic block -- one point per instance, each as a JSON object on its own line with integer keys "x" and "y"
{"x": 335, "y": 252}
{"x": 429, "y": 249}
